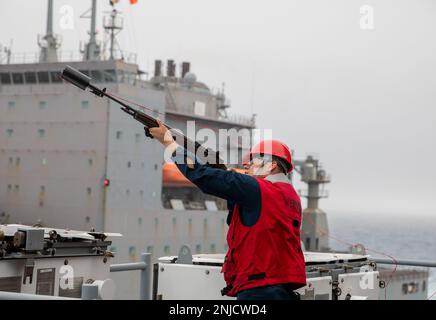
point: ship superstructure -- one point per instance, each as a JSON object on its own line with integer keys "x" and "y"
{"x": 71, "y": 159}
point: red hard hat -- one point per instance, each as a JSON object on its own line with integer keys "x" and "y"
{"x": 271, "y": 147}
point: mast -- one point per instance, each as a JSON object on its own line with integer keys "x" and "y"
{"x": 113, "y": 24}
{"x": 50, "y": 42}
{"x": 92, "y": 49}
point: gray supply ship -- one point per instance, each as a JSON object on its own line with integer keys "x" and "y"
{"x": 68, "y": 159}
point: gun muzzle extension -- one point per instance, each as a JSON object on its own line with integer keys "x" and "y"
{"x": 76, "y": 77}
{"x": 81, "y": 80}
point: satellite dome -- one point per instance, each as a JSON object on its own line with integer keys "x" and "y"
{"x": 190, "y": 78}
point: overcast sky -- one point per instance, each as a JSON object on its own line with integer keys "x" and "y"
{"x": 363, "y": 100}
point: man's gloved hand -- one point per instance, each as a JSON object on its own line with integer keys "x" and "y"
{"x": 147, "y": 133}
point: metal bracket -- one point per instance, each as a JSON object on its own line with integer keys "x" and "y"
{"x": 185, "y": 255}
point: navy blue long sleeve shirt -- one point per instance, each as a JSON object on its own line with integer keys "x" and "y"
{"x": 234, "y": 187}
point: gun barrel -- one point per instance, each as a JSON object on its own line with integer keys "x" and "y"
{"x": 82, "y": 81}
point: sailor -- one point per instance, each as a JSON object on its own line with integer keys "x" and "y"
{"x": 264, "y": 259}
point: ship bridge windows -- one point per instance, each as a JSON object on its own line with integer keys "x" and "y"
{"x": 126, "y": 77}
{"x": 43, "y": 77}
{"x": 85, "y": 72}
{"x": 46, "y": 77}
{"x": 30, "y": 77}
{"x": 109, "y": 76}
{"x": 17, "y": 78}
{"x": 96, "y": 75}
{"x": 55, "y": 77}
{"x": 5, "y": 78}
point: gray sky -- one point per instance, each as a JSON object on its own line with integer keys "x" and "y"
{"x": 363, "y": 100}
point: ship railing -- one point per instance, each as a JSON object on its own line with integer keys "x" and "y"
{"x": 240, "y": 119}
{"x": 321, "y": 194}
{"x": 90, "y": 291}
{"x": 145, "y": 267}
{"x": 190, "y": 110}
{"x": 64, "y": 56}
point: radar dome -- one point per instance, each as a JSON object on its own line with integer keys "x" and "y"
{"x": 190, "y": 78}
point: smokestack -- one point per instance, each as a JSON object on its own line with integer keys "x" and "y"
{"x": 157, "y": 68}
{"x": 185, "y": 68}
{"x": 171, "y": 68}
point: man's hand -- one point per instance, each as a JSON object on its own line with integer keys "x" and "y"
{"x": 147, "y": 133}
{"x": 161, "y": 133}
{"x": 164, "y": 136}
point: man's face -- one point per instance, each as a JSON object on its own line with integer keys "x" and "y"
{"x": 259, "y": 166}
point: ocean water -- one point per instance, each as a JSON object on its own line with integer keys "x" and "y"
{"x": 402, "y": 237}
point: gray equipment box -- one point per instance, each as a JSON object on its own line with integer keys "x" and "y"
{"x": 53, "y": 262}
